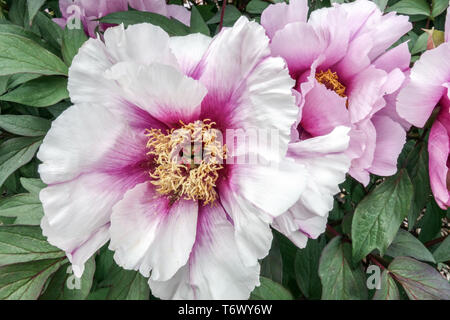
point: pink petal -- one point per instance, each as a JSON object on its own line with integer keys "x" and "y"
{"x": 180, "y": 13}
{"x": 278, "y": 15}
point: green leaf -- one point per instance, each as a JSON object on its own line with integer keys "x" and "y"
{"x": 378, "y": 216}
{"x": 442, "y": 253}
{"x": 307, "y": 268}
{"x": 33, "y": 8}
{"x": 72, "y": 41}
{"x": 420, "y": 281}
{"x": 40, "y": 92}
{"x": 197, "y": 22}
{"x": 411, "y": 7}
{"x": 406, "y": 245}
{"x": 270, "y": 290}
{"x": 340, "y": 281}
{"x": 121, "y": 284}
{"x": 24, "y": 244}
{"x": 438, "y": 6}
{"x": 431, "y": 222}
{"x": 388, "y": 288}
{"x": 25, "y": 207}
{"x": 256, "y": 6}
{"x": 21, "y": 55}
{"x": 272, "y": 264}
{"x": 65, "y": 286}
{"x": 19, "y": 31}
{"x": 232, "y": 14}
{"x": 32, "y": 185}
{"x": 172, "y": 26}
{"x": 420, "y": 45}
{"x": 25, "y": 281}
{"x": 25, "y": 125}
{"x": 50, "y": 31}
{"x": 381, "y": 4}
{"x": 16, "y": 152}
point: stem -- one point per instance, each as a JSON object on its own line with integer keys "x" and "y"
{"x": 222, "y": 14}
{"x": 435, "y": 241}
{"x": 375, "y": 260}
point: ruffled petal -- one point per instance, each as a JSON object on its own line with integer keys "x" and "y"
{"x": 189, "y": 51}
{"x": 180, "y": 13}
{"x": 214, "y": 270}
{"x": 161, "y": 90}
{"x": 151, "y": 234}
{"x": 390, "y": 140}
{"x": 417, "y": 100}
{"x": 326, "y": 164}
{"x": 278, "y": 15}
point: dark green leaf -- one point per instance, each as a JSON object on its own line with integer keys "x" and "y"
{"x": 21, "y": 55}
{"x": 272, "y": 264}
{"x": 388, "y": 288}
{"x": 29, "y": 126}
{"x": 23, "y": 244}
{"x": 411, "y": 7}
{"x": 16, "y": 152}
{"x": 340, "y": 281}
{"x": 307, "y": 268}
{"x": 438, "y": 6}
{"x": 40, "y": 92}
{"x": 171, "y": 26}
{"x": 65, "y": 286}
{"x": 442, "y": 253}
{"x": 256, "y": 6}
{"x": 420, "y": 281}
{"x": 378, "y": 216}
{"x": 197, "y": 22}
{"x": 25, "y": 207}
{"x": 270, "y": 290}
{"x": 33, "y": 8}
{"x": 32, "y": 185}
{"x": 72, "y": 41}
{"x": 25, "y": 281}
{"x": 232, "y": 14}
{"x": 50, "y": 31}
{"x": 406, "y": 245}
{"x": 431, "y": 222}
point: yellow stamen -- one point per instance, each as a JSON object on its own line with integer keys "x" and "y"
{"x": 189, "y": 176}
{"x": 331, "y": 81}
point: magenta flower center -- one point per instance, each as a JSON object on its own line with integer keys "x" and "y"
{"x": 187, "y": 161}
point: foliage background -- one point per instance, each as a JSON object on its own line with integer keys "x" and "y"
{"x": 393, "y": 223}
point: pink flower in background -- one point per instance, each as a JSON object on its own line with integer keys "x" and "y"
{"x": 428, "y": 89}
{"x": 197, "y": 230}
{"x": 91, "y": 10}
{"x": 346, "y": 75}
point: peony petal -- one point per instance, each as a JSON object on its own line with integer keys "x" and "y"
{"x": 398, "y": 57}
{"x": 299, "y": 45}
{"x": 278, "y": 15}
{"x": 148, "y": 233}
{"x": 180, "y": 13}
{"x": 390, "y": 140}
{"x": 417, "y": 100}
{"x": 363, "y": 135}
{"x": 161, "y": 90}
{"x": 214, "y": 270}
{"x": 323, "y": 111}
{"x": 189, "y": 51}
{"x": 251, "y": 226}
{"x": 155, "y": 6}
{"x": 439, "y": 150}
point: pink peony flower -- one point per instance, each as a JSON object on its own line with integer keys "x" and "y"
{"x": 88, "y": 11}
{"x": 427, "y": 89}
{"x": 346, "y": 75}
{"x": 196, "y": 228}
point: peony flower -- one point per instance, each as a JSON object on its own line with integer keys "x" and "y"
{"x": 346, "y": 75}
{"x": 196, "y": 228}
{"x": 88, "y": 11}
{"x": 428, "y": 89}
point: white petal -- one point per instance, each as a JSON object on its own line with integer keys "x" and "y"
{"x": 189, "y": 51}
{"x": 150, "y": 234}
{"x": 214, "y": 270}
{"x": 161, "y": 90}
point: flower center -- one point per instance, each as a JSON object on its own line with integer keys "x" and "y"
{"x": 188, "y": 161}
{"x": 331, "y": 81}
